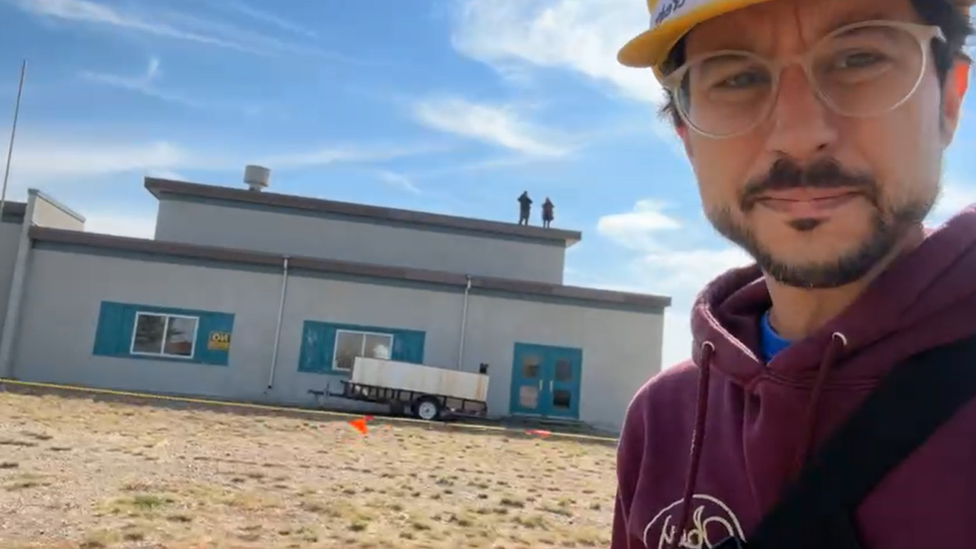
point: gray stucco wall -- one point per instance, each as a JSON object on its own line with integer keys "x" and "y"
{"x": 71, "y": 286}
{"x": 244, "y": 227}
{"x": 621, "y": 349}
{"x": 9, "y": 237}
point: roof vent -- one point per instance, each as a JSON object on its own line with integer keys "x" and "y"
{"x": 257, "y": 177}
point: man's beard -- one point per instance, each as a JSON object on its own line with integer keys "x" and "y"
{"x": 889, "y": 224}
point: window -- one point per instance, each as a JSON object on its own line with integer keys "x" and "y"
{"x": 331, "y": 348}
{"x": 164, "y": 335}
{"x": 351, "y": 344}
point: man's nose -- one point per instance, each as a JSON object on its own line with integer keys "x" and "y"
{"x": 801, "y": 126}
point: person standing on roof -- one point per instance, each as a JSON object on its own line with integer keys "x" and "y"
{"x": 525, "y": 208}
{"x": 816, "y": 130}
{"x": 547, "y": 213}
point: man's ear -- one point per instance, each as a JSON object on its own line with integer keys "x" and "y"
{"x": 957, "y": 83}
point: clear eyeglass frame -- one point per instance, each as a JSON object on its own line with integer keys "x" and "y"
{"x": 923, "y": 34}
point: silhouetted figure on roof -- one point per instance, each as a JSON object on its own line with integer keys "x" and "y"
{"x": 547, "y": 213}
{"x": 525, "y": 208}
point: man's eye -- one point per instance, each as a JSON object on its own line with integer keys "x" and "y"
{"x": 857, "y": 60}
{"x": 742, "y": 80}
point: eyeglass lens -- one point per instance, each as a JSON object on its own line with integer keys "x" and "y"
{"x": 863, "y": 71}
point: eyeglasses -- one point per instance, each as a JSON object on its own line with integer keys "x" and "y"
{"x": 861, "y": 70}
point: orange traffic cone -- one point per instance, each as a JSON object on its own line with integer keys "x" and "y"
{"x": 359, "y": 425}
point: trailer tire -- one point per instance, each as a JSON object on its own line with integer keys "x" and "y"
{"x": 427, "y": 408}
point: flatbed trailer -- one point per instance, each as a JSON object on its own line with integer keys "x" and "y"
{"x": 425, "y": 392}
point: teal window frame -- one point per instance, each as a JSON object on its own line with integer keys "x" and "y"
{"x": 116, "y": 327}
{"x": 319, "y": 345}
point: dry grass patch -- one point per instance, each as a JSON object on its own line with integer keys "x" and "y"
{"x": 111, "y": 475}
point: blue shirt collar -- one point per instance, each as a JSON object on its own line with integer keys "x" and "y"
{"x": 770, "y": 342}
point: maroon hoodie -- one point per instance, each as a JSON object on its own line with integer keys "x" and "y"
{"x": 755, "y": 423}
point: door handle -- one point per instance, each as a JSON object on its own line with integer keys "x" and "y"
{"x": 540, "y": 385}
{"x": 550, "y": 386}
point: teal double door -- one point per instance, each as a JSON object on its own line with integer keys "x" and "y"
{"x": 546, "y": 381}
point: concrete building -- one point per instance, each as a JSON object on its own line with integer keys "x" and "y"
{"x": 250, "y": 295}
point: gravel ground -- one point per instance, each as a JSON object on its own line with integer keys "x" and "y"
{"x": 83, "y": 474}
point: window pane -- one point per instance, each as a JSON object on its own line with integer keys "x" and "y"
{"x": 530, "y": 366}
{"x": 349, "y": 345}
{"x": 179, "y": 336}
{"x": 529, "y": 397}
{"x": 378, "y": 346}
{"x": 149, "y": 334}
{"x": 562, "y": 398}
{"x": 564, "y": 370}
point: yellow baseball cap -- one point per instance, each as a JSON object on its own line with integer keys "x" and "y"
{"x": 672, "y": 19}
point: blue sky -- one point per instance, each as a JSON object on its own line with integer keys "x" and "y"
{"x": 452, "y": 106}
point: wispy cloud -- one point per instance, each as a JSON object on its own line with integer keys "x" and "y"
{"x": 355, "y": 154}
{"x": 148, "y": 83}
{"x": 669, "y": 259}
{"x": 64, "y": 160}
{"x": 270, "y": 19}
{"x": 255, "y": 41}
{"x": 640, "y": 228}
{"x": 397, "y": 180}
{"x": 483, "y": 165}
{"x": 168, "y": 24}
{"x": 498, "y": 125}
{"x": 92, "y": 12}
{"x": 144, "y": 84}
{"x": 665, "y": 259}
{"x": 55, "y": 163}
{"x": 53, "y": 159}
{"x": 580, "y": 36}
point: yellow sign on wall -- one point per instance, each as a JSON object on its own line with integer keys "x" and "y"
{"x": 219, "y": 341}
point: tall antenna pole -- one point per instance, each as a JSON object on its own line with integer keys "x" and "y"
{"x": 13, "y": 134}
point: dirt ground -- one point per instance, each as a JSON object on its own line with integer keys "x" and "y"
{"x": 84, "y": 474}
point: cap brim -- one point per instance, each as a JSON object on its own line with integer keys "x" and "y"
{"x": 639, "y": 52}
{"x": 651, "y": 47}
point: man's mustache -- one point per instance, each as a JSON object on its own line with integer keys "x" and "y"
{"x": 824, "y": 174}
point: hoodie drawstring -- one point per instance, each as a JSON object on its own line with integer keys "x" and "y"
{"x": 697, "y": 441}
{"x": 837, "y": 342}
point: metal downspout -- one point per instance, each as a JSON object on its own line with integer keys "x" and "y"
{"x": 464, "y": 324}
{"x": 281, "y": 314}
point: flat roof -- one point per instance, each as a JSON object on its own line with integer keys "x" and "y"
{"x": 159, "y": 187}
{"x": 213, "y": 253}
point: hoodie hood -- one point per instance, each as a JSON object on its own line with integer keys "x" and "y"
{"x": 929, "y": 291}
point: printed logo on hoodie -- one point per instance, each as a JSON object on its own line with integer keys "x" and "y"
{"x": 711, "y": 522}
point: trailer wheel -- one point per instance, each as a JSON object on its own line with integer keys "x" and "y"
{"x": 427, "y": 408}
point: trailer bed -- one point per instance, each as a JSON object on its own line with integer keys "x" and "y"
{"x": 423, "y": 391}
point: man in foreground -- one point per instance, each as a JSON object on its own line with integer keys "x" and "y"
{"x": 816, "y": 130}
